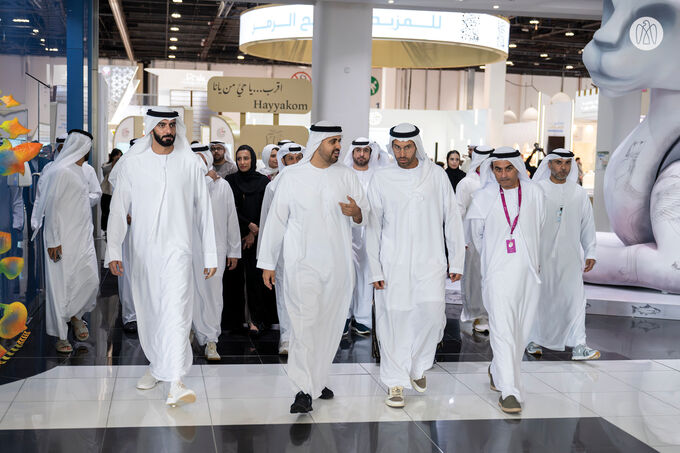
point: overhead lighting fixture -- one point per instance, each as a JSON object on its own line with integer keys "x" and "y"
{"x": 174, "y": 28}
{"x": 390, "y": 1}
{"x": 512, "y": 46}
{"x": 534, "y": 21}
{"x": 544, "y": 55}
{"x": 569, "y": 33}
{"x": 53, "y": 49}
{"x": 171, "y": 56}
{"x": 525, "y": 30}
{"x": 569, "y": 66}
{"x": 510, "y": 63}
{"x": 176, "y": 15}
{"x": 482, "y": 67}
{"x": 173, "y": 39}
{"x": 176, "y": 1}
{"x": 172, "y": 47}
{"x": 21, "y": 21}
{"x": 241, "y": 57}
{"x": 580, "y": 51}
{"x": 537, "y": 64}
{"x": 35, "y": 30}
{"x": 496, "y": 6}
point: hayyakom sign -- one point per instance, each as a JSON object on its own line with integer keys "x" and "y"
{"x": 265, "y": 95}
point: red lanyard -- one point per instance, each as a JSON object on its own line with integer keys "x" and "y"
{"x": 512, "y": 225}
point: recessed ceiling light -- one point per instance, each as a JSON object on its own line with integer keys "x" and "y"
{"x": 176, "y": 1}
{"x": 174, "y": 28}
{"x": 482, "y": 67}
{"x": 512, "y": 45}
{"x": 21, "y": 21}
{"x": 42, "y": 39}
{"x": 496, "y": 6}
{"x": 390, "y": 1}
{"x": 536, "y": 64}
{"x": 35, "y": 30}
{"x": 241, "y": 57}
{"x": 171, "y": 56}
{"x": 172, "y": 47}
{"x": 53, "y": 49}
{"x": 510, "y": 63}
{"x": 534, "y": 21}
{"x": 569, "y": 33}
{"x": 569, "y": 66}
{"x": 173, "y": 39}
{"x": 525, "y": 29}
{"x": 544, "y": 55}
{"x": 176, "y": 15}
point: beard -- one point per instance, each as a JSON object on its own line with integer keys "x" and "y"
{"x": 166, "y": 140}
{"x": 361, "y": 162}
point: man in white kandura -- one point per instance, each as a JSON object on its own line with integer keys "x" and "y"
{"x": 270, "y": 161}
{"x": 474, "y": 316}
{"x": 314, "y": 208}
{"x": 289, "y": 154}
{"x": 567, "y": 251}
{"x": 209, "y": 302}
{"x": 504, "y": 221}
{"x": 222, "y": 162}
{"x": 71, "y": 269}
{"x": 364, "y": 157}
{"x": 414, "y": 215}
{"x": 161, "y": 184}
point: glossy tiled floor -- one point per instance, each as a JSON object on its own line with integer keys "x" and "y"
{"x": 88, "y": 402}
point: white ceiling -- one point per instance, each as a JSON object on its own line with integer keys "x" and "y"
{"x": 566, "y": 9}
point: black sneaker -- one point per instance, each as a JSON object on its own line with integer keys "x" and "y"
{"x": 327, "y": 394}
{"x": 360, "y": 329}
{"x": 346, "y": 329}
{"x": 130, "y": 327}
{"x": 302, "y": 404}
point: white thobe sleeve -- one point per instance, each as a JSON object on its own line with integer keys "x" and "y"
{"x": 475, "y": 230}
{"x": 374, "y": 235}
{"x": 93, "y": 186}
{"x": 464, "y": 197}
{"x": 51, "y": 231}
{"x": 233, "y": 230}
{"x": 588, "y": 235}
{"x": 204, "y": 217}
{"x": 453, "y": 228}
{"x": 277, "y": 221}
{"x": 264, "y": 211}
{"x": 359, "y": 195}
{"x": 117, "y": 227}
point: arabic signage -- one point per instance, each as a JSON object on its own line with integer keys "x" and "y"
{"x": 297, "y": 22}
{"x": 264, "y": 95}
{"x": 261, "y": 135}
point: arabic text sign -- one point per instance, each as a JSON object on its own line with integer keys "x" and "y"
{"x": 239, "y": 94}
{"x": 297, "y": 22}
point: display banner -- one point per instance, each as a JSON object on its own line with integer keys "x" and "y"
{"x": 261, "y": 135}
{"x": 263, "y": 95}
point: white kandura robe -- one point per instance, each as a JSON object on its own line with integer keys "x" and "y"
{"x": 167, "y": 198}
{"x": 305, "y": 224}
{"x": 414, "y": 213}
{"x": 510, "y": 281}
{"x": 361, "y": 307}
{"x": 72, "y": 283}
{"x": 125, "y": 287}
{"x": 208, "y": 293}
{"x": 94, "y": 187}
{"x": 282, "y": 311}
{"x": 568, "y": 239}
{"x": 471, "y": 283}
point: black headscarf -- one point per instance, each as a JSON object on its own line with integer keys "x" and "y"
{"x": 455, "y": 176}
{"x": 248, "y": 187}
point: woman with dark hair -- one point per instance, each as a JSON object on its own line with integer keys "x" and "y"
{"x": 453, "y": 170}
{"x": 107, "y": 188}
{"x": 248, "y": 186}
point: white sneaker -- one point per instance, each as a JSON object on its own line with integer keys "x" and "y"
{"x": 283, "y": 348}
{"x": 395, "y": 398}
{"x": 583, "y": 352}
{"x": 211, "y": 351}
{"x": 180, "y": 394}
{"x": 147, "y": 382}
{"x": 534, "y": 349}
{"x": 419, "y": 385}
{"x": 481, "y": 326}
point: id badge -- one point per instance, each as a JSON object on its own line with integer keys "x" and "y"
{"x": 510, "y": 245}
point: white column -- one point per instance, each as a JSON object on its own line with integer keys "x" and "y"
{"x": 494, "y": 101}
{"x": 341, "y": 65}
{"x": 616, "y": 118}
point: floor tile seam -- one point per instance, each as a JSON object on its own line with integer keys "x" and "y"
{"x": 567, "y": 394}
{"x": 651, "y": 393}
{"x": 426, "y": 434}
{"x": 632, "y": 434}
{"x": 663, "y": 364}
{"x": 534, "y": 375}
{"x": 633, "y": 386}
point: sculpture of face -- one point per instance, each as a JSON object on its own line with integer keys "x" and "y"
{"x": 631, "y": 50}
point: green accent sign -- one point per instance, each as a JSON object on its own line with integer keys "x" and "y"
{"x": 375, "y": 86}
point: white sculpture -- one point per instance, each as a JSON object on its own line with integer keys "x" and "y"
{"x": 637, "y": 47}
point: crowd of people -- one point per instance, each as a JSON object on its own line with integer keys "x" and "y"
{"x": 201, "y": 243}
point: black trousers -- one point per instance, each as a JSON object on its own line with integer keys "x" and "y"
{"x": 106, "y": 208}
{"x": 246, "y": 281}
